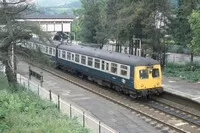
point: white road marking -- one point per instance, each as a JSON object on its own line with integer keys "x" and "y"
{"x": 196, "y": 98}
{"x": 170, "y": 81}
{"x": 76, "y": 95}
{"x": 179, "y": 92}
{"x": 180, "y": 124}
{"x": 81, "y": 98}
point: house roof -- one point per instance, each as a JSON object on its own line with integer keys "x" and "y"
{"x": 45, "y": 16}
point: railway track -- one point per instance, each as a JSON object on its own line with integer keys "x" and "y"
{"x": 164, "y": 117}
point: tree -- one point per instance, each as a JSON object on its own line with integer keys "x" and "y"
{"x": 13, "y": 32}
{"x": 194, "y": 21}
{"x": 181, "y": 29}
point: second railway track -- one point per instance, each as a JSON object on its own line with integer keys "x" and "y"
{"x": 162, "y": 116}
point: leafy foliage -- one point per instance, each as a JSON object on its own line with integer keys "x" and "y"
{"x": 23, "y": 111}
{"x": 194, "y": 21}
{"x": 183, "y": 71}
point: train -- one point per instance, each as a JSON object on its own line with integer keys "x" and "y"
{"x": 132, "y": 75}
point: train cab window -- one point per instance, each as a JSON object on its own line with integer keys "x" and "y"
{"x": 102, "y": 65}
{"x": 72, "y": 57}
{"x": 68, "y": 56}
{"x": 50, "y": 51}
{"x": 63, "y": 54}
{"x": 97, "y": 63}
{"x": 47, "y": 49}
{"x": 144, "y": 74}
{"x": 113, "y": 68}
{"x": 54, "y": 51}
{"x": 155, "y": 73}
{"x": 90, "y": 60}
{"x": 76, "y": 57}
{"x": 124, "y": 70}
{"x": 83, "y": 60}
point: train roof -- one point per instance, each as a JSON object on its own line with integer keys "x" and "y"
{"x": 108, "y": 55}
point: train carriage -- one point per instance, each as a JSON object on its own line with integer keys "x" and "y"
{"x": 136, "y": 76}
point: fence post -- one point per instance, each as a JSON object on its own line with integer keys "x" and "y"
{"x": 38, "y": 90}
{"x": 29, "y": 70}
{"x": 83, "y": 119}
{"x": 50, "y": 96}
{"x": 70, "y": 111}
{"x": 59, "y": 102}
{"x": 41, "y": 78}
{"x": 28, "y": 84}
{"x": 99, "y": 126}
{"x": 20, "y": 80}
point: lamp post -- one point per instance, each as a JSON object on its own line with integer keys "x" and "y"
{"x": 140, "y": 45}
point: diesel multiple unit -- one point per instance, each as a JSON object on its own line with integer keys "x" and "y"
{"x": 129, "y": 74}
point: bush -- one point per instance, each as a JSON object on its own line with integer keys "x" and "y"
{"x": 22, "y": 111}
{"x": 188, "y": 71}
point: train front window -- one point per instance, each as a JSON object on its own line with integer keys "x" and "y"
{"x": 144, "y": 74}
{"x": 155, "y": 73}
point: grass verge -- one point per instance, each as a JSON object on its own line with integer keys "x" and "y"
{"x": 183, "y": 71}
{"x": 25, "y": 112}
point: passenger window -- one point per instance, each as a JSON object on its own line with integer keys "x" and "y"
{"x": 54, "y": 51}
{"x": 83, "y": 60}
{"x": 97, "y": 63}
{"x": 68, "y": 56}
{"x": 46, "y": 50}
{"x": 102, "y": 65}
{"x": 76, "y": 57}
{"x": 50, "y": 51}
{"x": 107, "y": 66}
{"x": 124, "y": 70}
{"x": 90, "y": 61}
{"x": 73, "y": 57}
{"x": 59, "y": 53}
{"x": 63, "y": 54}
{"x": 113, "y": 68}
{"x": 155, "y": 73}
{"x": 144, "y": 74}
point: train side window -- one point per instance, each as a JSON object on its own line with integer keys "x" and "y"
{"x": 97, "y": 63}
{"x": 155, "y": 73}
{"x": 50, "y": 51}
{"x": 90, "y": 60}
{"x": 59, "y": 53}
{"x": 76, "y": 57}
{"x": 102, "y": 65}
{"x": 63, "y": 54}
{"x": 113, "y": 68}
{"x": 107, "y": 66}
{"x": 68, "y": 56}
{"x": 54, "y": 51}
{"x": 83, "y": 60}
{"x": 47, "y": 49}
{"x": 124, "y": 70}
{"x": 144, "y": 74}
{"x": 72, "y": 57}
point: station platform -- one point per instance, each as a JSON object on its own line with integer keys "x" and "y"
{"x": 113, "y": 115}
{"x": 182, "y": 88}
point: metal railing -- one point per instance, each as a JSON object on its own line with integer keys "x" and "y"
{"x": 65, "y": 107}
